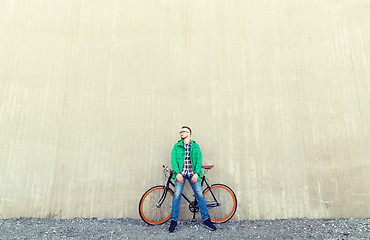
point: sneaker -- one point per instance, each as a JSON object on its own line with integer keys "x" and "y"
{"x": 208, "y": 224}
{"x": 172, "y": 226}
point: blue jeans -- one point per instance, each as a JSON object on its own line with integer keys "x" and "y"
{"x": 197, "y": 188}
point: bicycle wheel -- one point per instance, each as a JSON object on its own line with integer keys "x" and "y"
{"x": 154, "y": 206}
{"x": 221, "y": 202}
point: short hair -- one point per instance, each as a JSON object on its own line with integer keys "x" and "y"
{"x": 187, "y": 128}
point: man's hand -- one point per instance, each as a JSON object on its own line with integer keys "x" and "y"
{"x": 194, "y": 178}
{"x": 179, "y": 178}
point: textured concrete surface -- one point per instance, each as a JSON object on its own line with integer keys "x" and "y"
{"x": 93, "y": 93}
{"x": 281, "y": 229}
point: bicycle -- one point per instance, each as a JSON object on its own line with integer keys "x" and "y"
{"x": 155, "y": 204}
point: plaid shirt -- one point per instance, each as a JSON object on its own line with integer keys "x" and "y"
{"x": 187, "y": 170}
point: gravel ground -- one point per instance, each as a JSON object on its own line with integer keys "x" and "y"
{"x": 46, "y": 228}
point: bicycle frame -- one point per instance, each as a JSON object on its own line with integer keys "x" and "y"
{"x": 192, "y": 205}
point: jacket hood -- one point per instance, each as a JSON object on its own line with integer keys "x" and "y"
{"x": 180, "y": 142}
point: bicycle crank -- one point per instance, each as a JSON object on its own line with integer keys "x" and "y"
{"x": 193, "y": 207}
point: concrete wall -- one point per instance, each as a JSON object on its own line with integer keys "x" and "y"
{"x": 93, "y": 93}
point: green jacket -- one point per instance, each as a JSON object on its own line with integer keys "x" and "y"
{"x": 178, "y": 156}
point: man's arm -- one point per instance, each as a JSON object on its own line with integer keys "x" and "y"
{"x": 198, "y": 164}
{"x": 175, "y": 166}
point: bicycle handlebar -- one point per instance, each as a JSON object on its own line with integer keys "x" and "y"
{"x": 165, "y": 168}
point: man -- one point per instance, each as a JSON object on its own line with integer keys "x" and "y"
{"x": 186, "y": 161}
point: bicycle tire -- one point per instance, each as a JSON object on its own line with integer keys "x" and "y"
{"x": 148, "y": 210}
{"x": 227, "y": 199}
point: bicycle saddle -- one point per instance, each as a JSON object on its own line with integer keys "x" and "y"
{"x": 207, "y": 166}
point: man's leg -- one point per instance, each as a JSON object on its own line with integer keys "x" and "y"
{"x": 197, "y": 188}
{"x": 177, "y": 200}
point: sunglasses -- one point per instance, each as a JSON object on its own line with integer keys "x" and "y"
{"x": 183, "y": 132}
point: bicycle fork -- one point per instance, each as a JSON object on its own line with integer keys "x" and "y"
{"x": 163, "y": 197}
{"x": 166, "y": 189}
